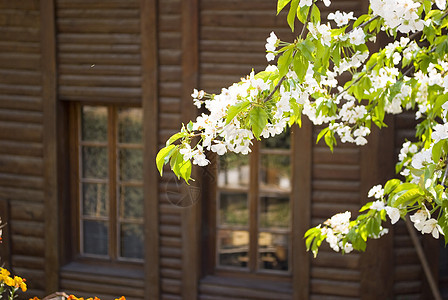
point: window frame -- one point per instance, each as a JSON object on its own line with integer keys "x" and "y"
{"x": 75, "y": 166}
{"x": 300, "y": 203}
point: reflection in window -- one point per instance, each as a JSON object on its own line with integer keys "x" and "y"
{"x": 239, "y": 221}
{"x": 111, "y": 186}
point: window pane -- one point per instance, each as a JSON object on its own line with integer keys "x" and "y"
{"x": 131, "y": 162}
{"x": 233, "y": 248}
{"x": 275, "y": 172}
{"x": 94, "y": 123}
{"x": 233, "y": 170}
{"x": 131, "y": 202}
{"x": 95, "y": 236}
{"x": 95, "y": 201}
{"x": 233, "y": 209}
{"x": 130, "y": 125}
{"x": 273, "y": 251}
{"x": 274, "y": 212}
{"x": 131, "y": 240}
{"x": 94, "y": 162}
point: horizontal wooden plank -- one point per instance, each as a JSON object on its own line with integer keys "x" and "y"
{"x": 406, "y": 256}
{"x": 336, "y": 185}
{"x": 408, "y": 287}
{"x": 248, "y": 59}
{"x": 252, "y": 18}
{"x": 170, "y": 57}
{"x": 326, "y": 210}
{"x": 100, "y": 59}
{"x": 88, "y": 4}
{"x": 170, "y": 219}
{"x": 335, "y": 287}
{"x": 28, "y": 228}
{"x": 114, "y": 81}
{"x": 170, "y": 285}
{"x": 408, "y": 273}
{"x": 335, "y": 171}
{"x": 29, "y": 262}
{"x": 20, "y": 116}
{"x": 333, "y": 273}
{"x": 109, "y": 49}
{"x": 89, "y": 294}
{"x": 16, "y": 46}
{"x": 98, "y": 38}
{"x": 169, "y": 41}
{"x": 100, "y": 93}
{"x": 170, "y": 73}
{"x": 27, "y": 210}
{"x": 98, "y": 13}
{"x": 19, "y": 18}
{"x": 12, "y": 164}
{"x": 20, "y": 5}
{"x": 170, "y": 263}
{"x": 21, "y": 148}
{"x": 169, "y": 105}
{"x": 21, "y": 102}
{"x": 35, "y": 279}
{"x": 170, "y": 89}
{"x": 20, "y": 89}
{"x": 171, "y": 273}
{"x": 170, "y": 230}
{"x": 336, "y": 197}
{"x": 234, "y": 292}
{"x": 27, "y": 245}
{"x": 21, "y": 194}
{"x": 88, "y": 69}
{"x": 103, "y": 279}
{"x": 323, "y": 155}
{"x": 170, "y": 121}
{"x": 21, "y": 181}
{"x": 97, "y": 288}
{"x": 169, "y": 22}
{"x": 336, "y": 260}
{"x": 171, "y": 252}
{"x": 19, "y": 34}
{"x": 98, "y": 25}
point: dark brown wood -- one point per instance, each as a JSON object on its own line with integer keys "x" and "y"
{"x": 301, "y": 207}
{"x": 149, "y": 74}
{"x": 377, "y": 166}
{"x": 191, "y": 215}
{"x": 49, "y": 108}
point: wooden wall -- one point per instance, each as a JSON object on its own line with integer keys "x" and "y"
{"x": 99, "y": 58}
{"x": 21, "y": 135}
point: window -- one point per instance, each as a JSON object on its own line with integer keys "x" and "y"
{"x": 253, "y": 209}
{"x": 108, "y": 182}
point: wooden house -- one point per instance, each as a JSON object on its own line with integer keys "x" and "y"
{"x": 89, "y": 91}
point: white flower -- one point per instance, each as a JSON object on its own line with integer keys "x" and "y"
{"x": 377, "y": 205}
{"x": 348, "y": 247}
{"x": 341, "y": 19}
{"x": 327, "y": 2}
{"x": 441, "y": 4}
{"x": 220, "y": 148}
{"x": 393, "y": 213}
{"x": 440, "y": 132}
{"x": 187, "y": 152}
{"x": 421, "y": 158}
{"x": 270, "y": 56}
{"x": 376, "y": 191}
{"x": 357, "y": 36}
{"x": 420, "y": 216}
{"x": 303, "y": 3}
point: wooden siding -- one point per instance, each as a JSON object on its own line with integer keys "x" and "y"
{"x": 21, "y": 131}
{"x": 170, "y": 85}
{"x": 99, "y": 60}
{"x": 408, "y": 272}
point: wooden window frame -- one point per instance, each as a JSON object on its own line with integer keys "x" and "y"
{"x": 75, "y": 144}
{"x": 300, "y": 202}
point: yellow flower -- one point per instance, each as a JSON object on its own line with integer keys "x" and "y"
{"x": 4, "y": 272}
{"x": 35, "y": 298}
{"x": 20, "y": 282}
{"x": 121, "y": 298}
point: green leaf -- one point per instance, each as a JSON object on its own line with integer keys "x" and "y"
{"x": 302, "y": 13}
{"x": 175, "y": 137}
{"x": 315, "y": 14}
{"x": 281, "y": 4}
{"x": 300, "y": 65}
{"x": 408, "y": 197}
{"x": 361, "y": 19}
{"x": 391, "y": 185}
{"x": 185, "y": 170}
{"x": 258, "y": 119}
{"x": 163, "y": 157}
{"x": 292, "y": 14}
{"x": 236, "y": 109}
{"x": 437, "y": 150}
{"x": 283, "y": 62}
{"x": 321, "y": 134}
{"x": 307, "y": 48}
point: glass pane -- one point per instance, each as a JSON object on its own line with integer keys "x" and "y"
{"x": 233, "y": 209}
{"x": 94, "y": 162}
{"x": 95, "y": 235}
{"x": 130, "y": 125}
{"x": 131, "y": 202}
{"x": 233, "y": 170}
{"x": 131, "y": 240}
{"x": 274, "y": 212}
{"x": 281, "y": 141}
{"x": 95, "y": 200}
{"x": 273, "y": 251}
{"x": 233, "y": 248}
{"x": 131, "y": 162}
{"x": 94, "y": 123}
{"x": 275, "y": 172}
